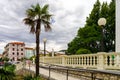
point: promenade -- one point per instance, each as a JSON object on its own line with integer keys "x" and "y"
{"x": 53, "y": 75}
{"x": 84, "y": 74}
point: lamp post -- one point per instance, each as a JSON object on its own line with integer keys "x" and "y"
{"x": 102, "y": 22}
{"x": 44, "y": 40}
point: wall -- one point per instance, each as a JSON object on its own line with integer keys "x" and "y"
{"x": 100, "y": 60}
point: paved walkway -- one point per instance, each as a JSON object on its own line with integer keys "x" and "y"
{"x": 54, "y": 75}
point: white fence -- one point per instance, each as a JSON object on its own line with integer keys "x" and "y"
{"x": 100, "y": 60}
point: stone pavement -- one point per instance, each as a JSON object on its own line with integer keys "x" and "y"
{"x": 54, "y": 75}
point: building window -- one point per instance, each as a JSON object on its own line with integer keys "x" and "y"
{"x": 13, "y": 45}
{"x": 17, "y": 49}
{"x": 13, "y": 53}
{"x": 13, "y": 58}
{"x": 21, "y": 53}
{"x": 13, "y": 49}
{"x": 18, "y": 59}
{"x": 17, "y": 53}
{"x": 21, "y": 49}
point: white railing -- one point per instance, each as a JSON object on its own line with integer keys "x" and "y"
{"x": 100, "y": 60}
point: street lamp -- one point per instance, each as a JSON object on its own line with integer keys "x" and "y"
{"x": 44, "y": 40}
{"x": 102, "y": 22}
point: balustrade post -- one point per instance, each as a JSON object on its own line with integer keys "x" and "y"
{"x": 117, "y": 60}
{"x": 101, "y": 60}
{"x": 63, "y": 60}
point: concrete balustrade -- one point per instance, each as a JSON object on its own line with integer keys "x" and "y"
{"x": 100, "y": 60}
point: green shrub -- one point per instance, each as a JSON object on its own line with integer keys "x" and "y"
{"x": 6, "y": 75}
{"x": 29, "y": 77}
{"x": 83, "y": 51}
{"x": 9, "y": 67}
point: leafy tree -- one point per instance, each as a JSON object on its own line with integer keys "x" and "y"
{"x": 83, "y": 51}
{"x": 110, "y": 28}
{"x": 36, "y": 16}
{"x": 94, "y": 15}
{"x": 73, "y": 46}
{"x": 88, "y": 36}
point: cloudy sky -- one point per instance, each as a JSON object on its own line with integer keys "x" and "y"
{"x": 69, "y": 16}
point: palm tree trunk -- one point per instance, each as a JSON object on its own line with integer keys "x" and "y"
{"x": 37, "y": 47}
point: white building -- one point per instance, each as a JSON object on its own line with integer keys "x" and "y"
{"x": 14, "y": 51}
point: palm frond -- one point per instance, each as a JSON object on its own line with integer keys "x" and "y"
{"x": 47, "y": 27}
{"x": 37, "y": 14}
{"x": 32, "y": 29}
{"x": 30, "y": 13}
{"x": 38, "y": 9}
{"x": 45, "y": 9}
{"x": 28, "y": 21}
{"x": 33, "y": 7}
{"x": 31, "y": 23}
{"x": 46, "y": 16}
{"x": 45, "y": 21}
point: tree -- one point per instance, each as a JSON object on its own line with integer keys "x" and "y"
{"x": 110, "y": 27}
{"x": 94, "y": 15}
{"x": 37, "y": 15}
{"x": 73, "y": 46}
{"x": 83, "y": 51}
{"x": 104, "y": 13}
{"x": 89, "y": 36}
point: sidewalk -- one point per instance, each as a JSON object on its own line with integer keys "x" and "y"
{"x": 54, "y": 75}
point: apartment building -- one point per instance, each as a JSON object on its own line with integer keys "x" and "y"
{"x": 14, "y": 51}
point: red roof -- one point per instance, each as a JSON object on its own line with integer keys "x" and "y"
{"x": 16, "y": 43}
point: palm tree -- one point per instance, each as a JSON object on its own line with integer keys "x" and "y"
{"x": 37, "y": 15}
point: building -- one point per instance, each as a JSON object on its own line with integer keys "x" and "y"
{"x": 14, "y": 51}
{"x": 29, "y": 52}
